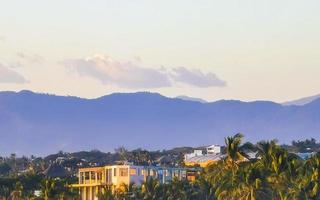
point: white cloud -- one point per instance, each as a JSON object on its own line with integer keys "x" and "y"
{"x": 24, "y": 59}
{"x": 197, "y": 78}
{"x": 123, "y": 74}
{"x": 9, "y": 76}
{"x": 31, "y": 58}
{"x": 132, "y": 75}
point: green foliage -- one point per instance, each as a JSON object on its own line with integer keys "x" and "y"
{"x": 309, "y": 145}
{"x": 4, "y": 169}
{"x": 273, "y": 174}
{"x": 24, "y": 187}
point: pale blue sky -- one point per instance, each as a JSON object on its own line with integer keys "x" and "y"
{"x": 234, "y": 49}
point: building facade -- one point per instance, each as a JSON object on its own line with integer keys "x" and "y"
{"x": 93, "y": 180}
{"x": 197, "y": 158}
{"x": 213, "y": 149}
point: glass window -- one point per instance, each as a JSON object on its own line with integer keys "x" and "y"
{"x": 168, "y": 173}
{"x": 133, "y": 171}
{"x": 115, "y": 172}
{"x": 99, "y": 176}
{"x": 123, "y": 171}
{"x": 81, "y": 177}
{"x": 93, "y": 175}
{"x": 86, "y": 175}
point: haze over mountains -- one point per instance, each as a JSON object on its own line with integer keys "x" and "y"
{"x": 302, "y": 101}
{"x": 187, "y": 98}
{"x": 32, "y": 123}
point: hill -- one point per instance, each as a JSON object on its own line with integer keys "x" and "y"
{"x": 187, "y": 98}
{"x": 302, "y": 101}
{"x": 40, "y": 124}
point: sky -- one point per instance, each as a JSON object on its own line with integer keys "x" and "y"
{"x": 211, "y": 49}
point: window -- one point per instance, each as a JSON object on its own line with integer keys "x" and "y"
{"x": 99, "y": 176}
{"x": 133, "y": 171}
{"x": 115, "y": 172}
{"x": 93, "y": 175}
{"x": 81, "y": 177}
{"x": 86, "y": 175}
{"x": 168, "y": 173}
{"x": 123, "y": 171}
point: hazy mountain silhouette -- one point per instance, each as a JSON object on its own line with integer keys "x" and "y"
{"x": 32, "y": 123}
{"x": 187, "y": 98}
{"x": 302, "y": 101}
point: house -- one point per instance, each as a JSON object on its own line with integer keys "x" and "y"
{"x": 93, "y": 180}
{"x": 213, "y": 149}
{"x": 212, "y": 155}
{"x": 55, "y": 171}
{"x": 195, "y": 153}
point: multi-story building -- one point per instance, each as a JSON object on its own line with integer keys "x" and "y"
{"x": 213, "y": 149}
{"x": 195, "y": 153}
{"x": 198, "y": 158}
{"x": 92, "y": 180}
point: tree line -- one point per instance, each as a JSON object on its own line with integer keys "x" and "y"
{"x": 273, "y": 173}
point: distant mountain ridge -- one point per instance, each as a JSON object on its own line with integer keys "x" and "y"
{"x": 33, "y": 123}
{"x": 302, "y": 101}
{"x": 187, "y": 98}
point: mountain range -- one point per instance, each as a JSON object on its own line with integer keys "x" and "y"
{"x": 302, "y": 101}
{"x": 39, "y": 124}
{"x": 187, "y": 98}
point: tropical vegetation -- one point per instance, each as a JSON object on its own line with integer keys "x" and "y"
{"x": 272, "y": 173}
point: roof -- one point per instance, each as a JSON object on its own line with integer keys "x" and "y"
{"x": 165, "y": 159}
{"x": 55, "y": 171}
{"x": 213, "y": 145}
{"x": 205, "y": 158}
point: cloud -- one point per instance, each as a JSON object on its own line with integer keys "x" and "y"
{"x": 27, "y": 59}
{"x": 132, "y": 75}
{"x": 196, "y": 78}
{"x": 9, "y": 76}
{"x": 123, "y": 74}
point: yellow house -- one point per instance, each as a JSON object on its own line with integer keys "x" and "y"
{"x": 92, "y": 180}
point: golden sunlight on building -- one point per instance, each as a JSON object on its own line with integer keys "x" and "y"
{"x": 93, "y": 180}
{"x": 198, "y": 158}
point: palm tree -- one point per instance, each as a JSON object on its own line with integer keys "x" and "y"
{"x": 54, "y": 188}
{"x": 177, "y": 190}
{"x": 234, "y": 150}
{"x": 106, "y": 193}
{"x": 279, "y": 167}
{"x": 225, "y": 177}
{"x": 266, "y": 152}
{"x": 6, "y": 187}
{"x": 311, "y": 172}
{"x": 204, "y": 189}
{"x": 150, "y": 189}
{"x": 252, "y": 182}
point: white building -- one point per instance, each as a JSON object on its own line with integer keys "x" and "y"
{"x": 195, "y": 153}
{"x": 213, "y": 149}
{"x": 212, "y": 155}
